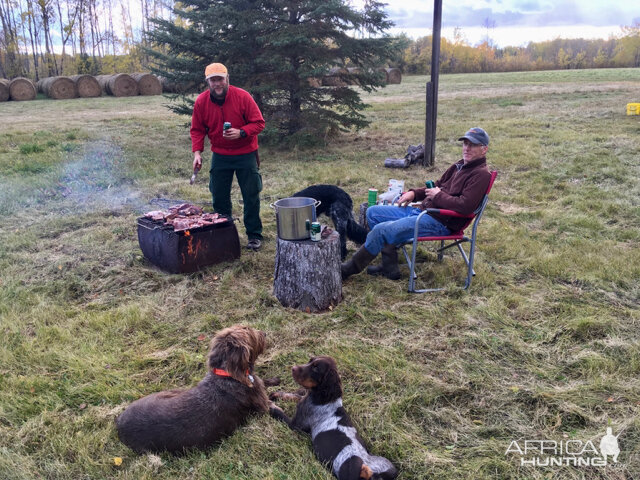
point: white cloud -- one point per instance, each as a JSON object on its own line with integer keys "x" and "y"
{"x": 516, "y": 22}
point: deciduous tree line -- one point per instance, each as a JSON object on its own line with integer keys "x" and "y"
{"x": 41, "y": 38}
{"x": 459, "y": 57}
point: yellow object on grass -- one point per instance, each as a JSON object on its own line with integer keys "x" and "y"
{"x": 633, "y": 108}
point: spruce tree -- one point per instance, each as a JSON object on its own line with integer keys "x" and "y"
{"x": 277, "y": 50}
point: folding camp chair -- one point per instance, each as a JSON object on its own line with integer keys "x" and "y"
{"x": 457, "y": 240}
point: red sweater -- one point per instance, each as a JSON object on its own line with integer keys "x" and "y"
{"x": 462, "y": 187}
{"x": 240, "y": 109}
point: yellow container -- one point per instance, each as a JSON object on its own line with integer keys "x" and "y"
{"x": 633, "y": 108}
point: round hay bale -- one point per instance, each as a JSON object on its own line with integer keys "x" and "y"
{"x": 354, "y": 71}
{"x": 58, "y": 88}
{"x": 87, "y": 86}
{"x": 4, "y": 89}
{"x": 21, "y": 89}
{"x": 394, "y": 75}
{"x": 332, "y": 78}
{"x": 118, "y": 85}
{"x": 147, "y": 84}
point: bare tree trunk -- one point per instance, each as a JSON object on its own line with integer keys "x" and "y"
{"x": 31, "y": 27}
{"x": 13, "y": 67}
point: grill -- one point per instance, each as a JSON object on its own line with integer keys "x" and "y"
{"x": 190, "y": 250}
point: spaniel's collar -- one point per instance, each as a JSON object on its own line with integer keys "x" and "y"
{"x": 223, "y": 373}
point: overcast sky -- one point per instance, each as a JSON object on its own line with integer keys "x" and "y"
{"x": 516, "y": 22}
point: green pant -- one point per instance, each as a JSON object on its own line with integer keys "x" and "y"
{"x": 250, "y": 181}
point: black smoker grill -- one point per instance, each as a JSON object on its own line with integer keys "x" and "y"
{"x": 189, "y": 250}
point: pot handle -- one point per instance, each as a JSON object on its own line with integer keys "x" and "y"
{"x": 273, "y": 206}
{"x": 317, "y": 204}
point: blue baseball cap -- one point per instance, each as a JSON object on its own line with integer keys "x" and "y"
{"x": 476, "y": 135}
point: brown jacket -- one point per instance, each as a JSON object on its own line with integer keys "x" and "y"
{"x": 462, "y": 187}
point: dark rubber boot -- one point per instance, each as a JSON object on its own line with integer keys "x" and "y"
{"x": 356, "y": 264}
{"x": 389, "y": 266}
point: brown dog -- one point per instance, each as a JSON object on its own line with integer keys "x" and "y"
{"x": 175, "y": 420}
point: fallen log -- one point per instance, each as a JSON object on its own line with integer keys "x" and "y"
{"x": 4, "y": 89}
{"x": 58, "y": 88}
{"x": 21, "y": 89}
{"x": 118, "y": 85}
{"x": 87, "y": 86}
{"x": 147, "y": 84}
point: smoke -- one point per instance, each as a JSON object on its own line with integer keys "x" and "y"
{"x": 97, "y": 181}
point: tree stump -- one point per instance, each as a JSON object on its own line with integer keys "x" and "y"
{"x": 307, "y": 274}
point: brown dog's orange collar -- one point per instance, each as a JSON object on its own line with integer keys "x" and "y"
{"x": 223, "y": 373}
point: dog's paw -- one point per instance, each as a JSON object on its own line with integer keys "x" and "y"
{"x": 271, "y": 382}
{"x": 365, "y": 473}
{"x": 276, "y": 395}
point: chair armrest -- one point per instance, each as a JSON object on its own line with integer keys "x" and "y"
{"x": 449, "y": 213}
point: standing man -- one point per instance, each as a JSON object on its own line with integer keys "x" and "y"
{"x": 235, "y": 149}
{"x": 461, "y": 189}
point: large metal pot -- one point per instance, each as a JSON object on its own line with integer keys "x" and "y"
{"x": 294, "y": 216}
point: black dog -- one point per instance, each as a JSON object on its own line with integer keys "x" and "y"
{"x": 320, "y": 413}
{"x": 337, "y": 204}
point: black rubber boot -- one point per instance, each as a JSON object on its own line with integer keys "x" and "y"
{"x": 356, "y": 264}
{"x": 389, "y": 265}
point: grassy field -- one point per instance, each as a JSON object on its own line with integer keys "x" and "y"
{"x": 545, "y": 345}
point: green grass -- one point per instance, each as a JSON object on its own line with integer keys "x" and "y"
{"x": 545, "y": 345}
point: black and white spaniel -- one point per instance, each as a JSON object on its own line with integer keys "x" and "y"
{"x": 320, "y": 413}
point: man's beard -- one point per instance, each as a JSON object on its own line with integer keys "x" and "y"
{"x": 220, "y": 97}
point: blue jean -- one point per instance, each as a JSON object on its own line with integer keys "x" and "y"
{"x": 395, "y": 225}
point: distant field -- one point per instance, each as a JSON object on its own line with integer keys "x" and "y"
{"x": 544, "y": 346}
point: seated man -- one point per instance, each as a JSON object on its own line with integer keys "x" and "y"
{"x": 460, "y": 188}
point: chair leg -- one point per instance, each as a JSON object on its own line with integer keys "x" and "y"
{"x": 440, "y": 251}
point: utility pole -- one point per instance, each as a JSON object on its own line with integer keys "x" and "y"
{"x": 432, "y": 89}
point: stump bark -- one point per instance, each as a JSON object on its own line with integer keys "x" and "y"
{"x": 4, "y": 89}
{"x": 87, "y": 86}
{"x": 307, "y": 274}
{"x": 58, "y": 88}
{"x": 21, "y": 89}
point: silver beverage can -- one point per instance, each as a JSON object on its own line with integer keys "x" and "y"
{"x": 315, "y": 231}
{"x": 226, "y": 126}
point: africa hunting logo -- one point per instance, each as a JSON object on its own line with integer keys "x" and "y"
{"x": 576, "y": 453}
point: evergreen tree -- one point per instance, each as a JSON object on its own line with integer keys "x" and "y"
{"x": 277, "y": 50}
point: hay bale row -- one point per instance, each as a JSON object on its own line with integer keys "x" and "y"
{"x": 86, "y": 86}
{"x": 58, "y": 88}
